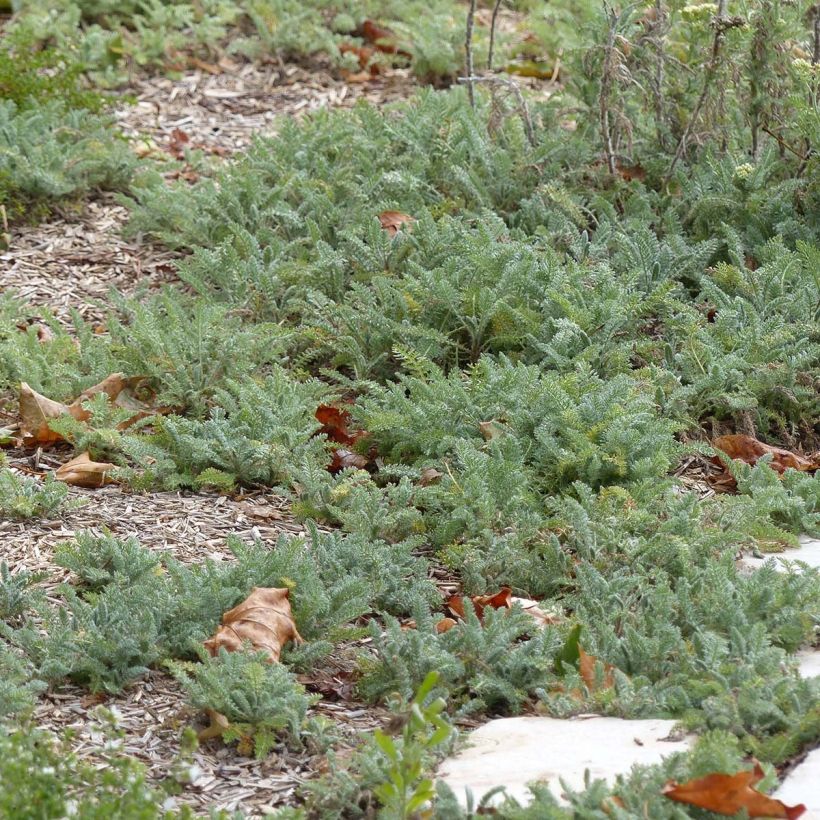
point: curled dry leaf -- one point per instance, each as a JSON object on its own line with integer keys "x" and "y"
{"x": 729, "y": 794}
{"x": 429, "y": 476}
{"x": 362, "y": 53}
{"x": 217, "y": 726}
{"x": 83, "y": 472}
{"x": 395, "y": 221}
{"x": 586, "y": 668}
{"x": 344, "y": 459}
{"x": 500, "y": 600}
{"x": 44, "y": 333}
{"x": 541, "y": 617}
{"x": 489, "y": 430}
{"x": 178, "y": 144}
{"x": 383, "y": 39}
{"x": 503, "y": 599}
{"x": 445, "y": 625}
{"x": 264, "y": 619}
{"x": 36, "y": 411}
{"x": 336, "y": 423}
{"x": 748, "y": 449}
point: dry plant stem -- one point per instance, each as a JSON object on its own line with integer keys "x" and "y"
{"x": 496, "y": 7}
{"x": 815, "y": 54}
{"x": 512, "y": 86}
{"x": 660, "y": 69}
{"x": 784, "y": 146}
{"x": 606, "y": 89}
{"x": 720, "y": 23}
{"x": 468, "y": 49}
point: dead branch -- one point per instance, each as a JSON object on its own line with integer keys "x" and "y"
{"x": 496, "y": 7}
{"x": 721, "y": 24}
{"x": 468, "y": 47}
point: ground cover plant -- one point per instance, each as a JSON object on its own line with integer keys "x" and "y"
{"x": 477, "y": 336}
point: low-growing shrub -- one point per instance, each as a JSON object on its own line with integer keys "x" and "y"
{"x": 101, "y": 560}
{"x": 23, "y": 497}
{"x": 262, "y": 701}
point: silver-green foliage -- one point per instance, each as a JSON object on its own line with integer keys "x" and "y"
{"x": 262, "y": 701}
{"x": 22, "y": 497}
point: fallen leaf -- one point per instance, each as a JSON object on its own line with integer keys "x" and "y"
{"x": 489, "y": 430}
{"x": 210, "y": 68}
{"x": 394, "y": 221}
{"x": 445, "y": 625}
{"x": 335, "y": 423}
{"x": 83, "y": 472}
{"x": 532, "y": 609}
{"x": 383, "y": 39}
{"x": 503, "y": 599}
{"x": 93, "y": 699}
{"x": 35, "y": 413}
{"x": 363, "y": 53}
{"x": 586, "y": 668}
{"x": 44, "y": 333}
{"x": 178, "y": 144}
{"x": 748, "y": 449}
{"x": 264, "y": 619}
{"x": 357, "y": 77}
{"x": 112, "y": 386}
{"x": 217, "y": 726}
{"x": 500, "y": 600}
{"x": 630, "y": 172}
{"x": 729, "y": 794}
{"x": 429, "y": 476}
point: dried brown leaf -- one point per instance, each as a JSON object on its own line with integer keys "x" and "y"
{"x": 35, "y": 413}
{"x": 532, "y": 609}
{"x": 730, "y": 794}
{"x": 748, "y": 449}
{"x": 395, "y": 221}
{"x": 586, "y": 668}
{"x": 83, "y": 472}
{"x": 264, "y": 619}
{"x": 429, "y": 476}
{"x": 489, "y": 430}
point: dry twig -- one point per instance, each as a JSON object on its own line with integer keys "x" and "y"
{"x": 721, "y": 23}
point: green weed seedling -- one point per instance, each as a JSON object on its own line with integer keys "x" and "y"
{"x": 406, "y": 789}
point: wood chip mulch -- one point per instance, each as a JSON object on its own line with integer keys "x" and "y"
{"x": 223, "y": 112}
{"x": 72, "y": 262}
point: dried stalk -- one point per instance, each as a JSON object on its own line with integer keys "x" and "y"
{"x": 815, "y": 54}
{"x": 468, "y": 49}
{"x": 512, "y": 86}
{"x": 660, "y": 71}
{"x": 496, "y": 7}
{"x": 606, "y": 89}
{"x": 721, "y": 22}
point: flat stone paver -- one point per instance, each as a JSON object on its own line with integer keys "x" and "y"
{"x": 802, "y": 785}
{"x": 513, "y": 752}
{"x": 808, "y": 552}
{"x": 808, "y": 661}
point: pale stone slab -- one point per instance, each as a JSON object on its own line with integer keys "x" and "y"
{"x": 808, "y": 661}
{"x": 808, "y": 552}
{"x": 802, "y": 785}
{"x": 513, "y": 752}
